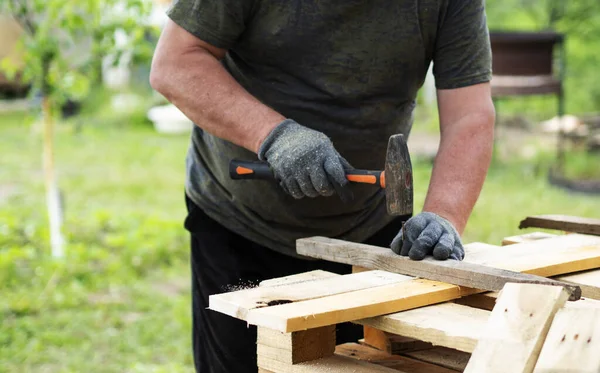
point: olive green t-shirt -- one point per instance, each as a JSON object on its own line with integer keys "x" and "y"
{"x": 348, "y": 68}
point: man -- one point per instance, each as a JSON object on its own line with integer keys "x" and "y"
{"x": 316, "y": 87}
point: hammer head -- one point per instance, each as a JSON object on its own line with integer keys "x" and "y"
{"x": 398, "y": 177}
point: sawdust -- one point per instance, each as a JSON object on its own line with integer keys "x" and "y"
{"x": 243, "y": 285}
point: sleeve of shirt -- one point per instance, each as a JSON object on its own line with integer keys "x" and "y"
{"x": 217, "y": 22}
{"x": 462, "y": 55}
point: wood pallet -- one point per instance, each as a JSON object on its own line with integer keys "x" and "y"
{"x": 414, "y": 325}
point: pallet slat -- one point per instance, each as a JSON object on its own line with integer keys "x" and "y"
{"x": 239, "y": 303}
{"x": 401, "y": 363}
{"x": 572, "y": 342}
{"x": 466, "y": 273}
{"x": 516, "y": 329}
{"x": 447, "y": 324}
{"x": 333, "y": 364}
{"x": 560, "y": 255}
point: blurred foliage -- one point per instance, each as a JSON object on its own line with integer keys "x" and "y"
{"x": 119, "y": 301}
{"x": 579, "y": 20}
{"x": 64, "y": 41}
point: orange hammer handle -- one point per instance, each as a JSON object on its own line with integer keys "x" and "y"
{"x": 367, "y": 177}
{"x": 261, "y": 170}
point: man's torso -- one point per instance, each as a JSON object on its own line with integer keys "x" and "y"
{"x": 349, "y": 68}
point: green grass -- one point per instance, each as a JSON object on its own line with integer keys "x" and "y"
{"x": 120, "y": 302}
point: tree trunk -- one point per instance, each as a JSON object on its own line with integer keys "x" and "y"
{"x": 57, "y": 240}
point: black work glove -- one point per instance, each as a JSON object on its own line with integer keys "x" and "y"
{"x": 428, "y": 234}
{"x": 304, "y": 161}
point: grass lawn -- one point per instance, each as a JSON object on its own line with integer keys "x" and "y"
{"x": 119, "y": 302}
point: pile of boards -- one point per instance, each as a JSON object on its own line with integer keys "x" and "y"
{"x": 523, "y": 328}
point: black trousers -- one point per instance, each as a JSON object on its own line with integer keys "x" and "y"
{"x": 223, "y": 261}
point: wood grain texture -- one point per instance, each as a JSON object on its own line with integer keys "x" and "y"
{"x": 296, "y": 278}
{"x": 296, "y": 347}
{"x": 516, "y": 329}
{"x": 522, "y": 257}
{"x": 443, "y": 356}
{"x": 461, "y": 273}
{"x": 239, "y": 303}
{"x": 447, "y": 324}
{"x": 400, "y": 363}
{"x": 351, "y": 306}
{"x": 528, "y": 237}
{"x": 563, "y": 222}
{"x": 572, "y": 343}
{"x": 484, "y": 301}
{"x": 391, "y": 343}
{"x": 333, "y": 364}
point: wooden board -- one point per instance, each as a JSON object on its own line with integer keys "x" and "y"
{"x": 563, "y": 222}
{"x": 354, "y": 305}
{"x": 462, "y": 273}
{"x": 333, "y": 364}
{"x": 401, "y": 363}
{"x": 484, "y": 301}
{"x": 296, "y": 347}
{"x": 447, "y": 324}
{"x": 574, "y": 252}
{"x": 548, "y": 253}
{"x": 487, "y": 301}
{"x": 443, "y": 356}
{"x": 516, "y": 329}
{"x": 239, "y": 303}
{"x": 391, "y": 343}
{"x": 528, "y": 237}
{"x": 572, "y": 343}
{"x": 296, "y": 278}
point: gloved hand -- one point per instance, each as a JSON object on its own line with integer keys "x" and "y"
{"x": 304, "y": 161}
{"x": 428, "y": 234}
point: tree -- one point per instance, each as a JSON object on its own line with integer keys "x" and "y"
{"x": 62, "y": 44}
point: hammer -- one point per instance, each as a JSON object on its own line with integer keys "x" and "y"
{"x": 396, "y": 178}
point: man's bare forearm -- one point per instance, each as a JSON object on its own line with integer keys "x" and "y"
{"x": 193, "y": 79}
{"x": 460, "y": 168}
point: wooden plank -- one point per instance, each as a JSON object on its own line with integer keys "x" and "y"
{"x": 391, "y": 343}
{"x": 332, "y": 364}
{"x": 516, "y": 329}
{"x": 572, "y": 343}
{"x": 296, "y": 347}
{"x": 454, "y": 272}
{"x": 584, "y": 303}
{"x": 520, "y": 257}
{"x": 415, "y": 293}
{"x": 239, "y": 303}
{"x": 473, "y": 248}
{"x": 528, "y": 237}
{"x": 484, "y": 301}
{"x": 354, "y": 305}
{"x": 487, "y": 301}
{"x": 374, "y": 356}
{"x": 448, "y": 324}
{"x": 357, "y": 269}
{"x": 444, "y": 357}
{"x": 296, "y": 278}
{"x": 563, "y": 222}
{"x": 377, "y": 338}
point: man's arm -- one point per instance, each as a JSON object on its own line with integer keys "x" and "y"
{"x": 187, "y": 71}
{"x": 467, "y": 119}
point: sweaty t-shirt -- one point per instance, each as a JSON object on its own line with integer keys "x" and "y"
{"x": 348, "y": 68}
